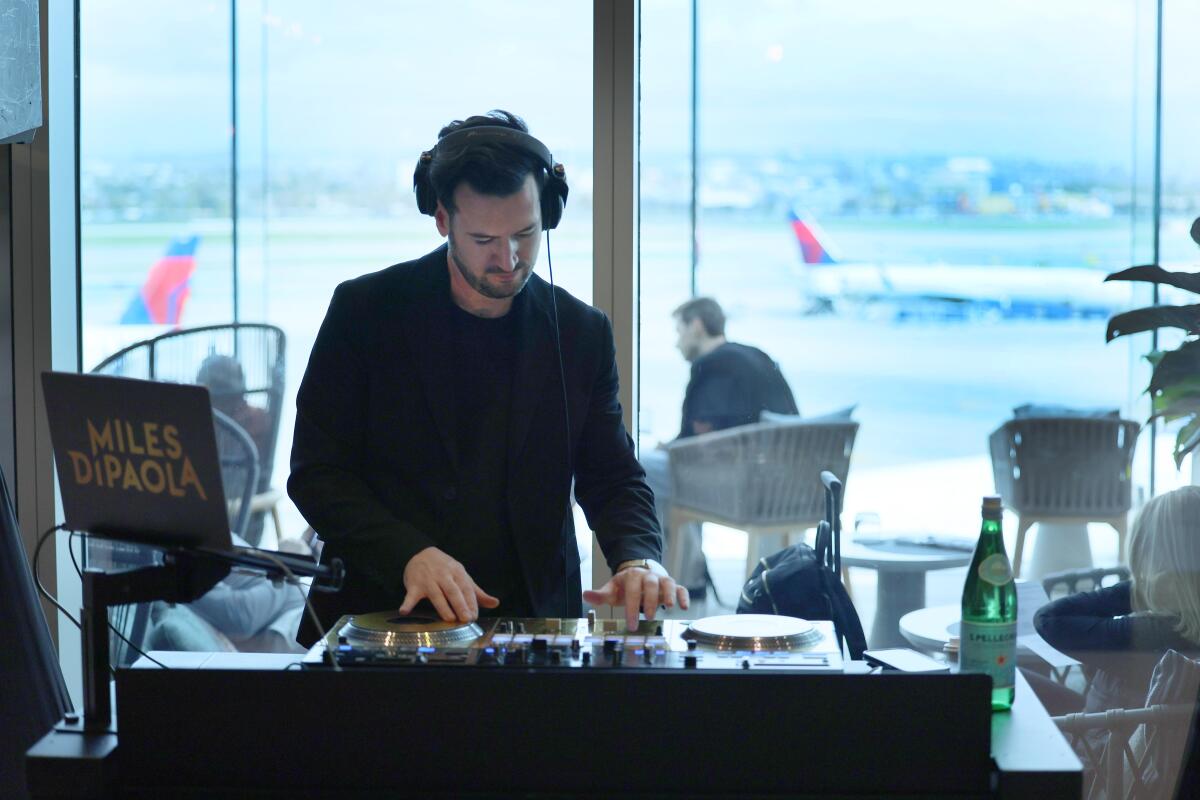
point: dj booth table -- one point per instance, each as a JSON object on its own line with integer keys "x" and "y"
{"x": 226, "y": 725}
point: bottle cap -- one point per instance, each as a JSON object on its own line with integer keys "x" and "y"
{"x": 992, "y": 502}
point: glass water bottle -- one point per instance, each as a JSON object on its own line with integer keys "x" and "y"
{"x": 988, "y": 639}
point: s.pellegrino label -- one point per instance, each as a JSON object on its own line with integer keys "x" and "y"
{"x": 988, "y": 636}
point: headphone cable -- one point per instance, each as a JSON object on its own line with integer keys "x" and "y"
{"x": 562, "y": 382}
{"x": 562, "y": 373}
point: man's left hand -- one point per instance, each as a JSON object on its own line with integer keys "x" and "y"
{"x": 638, "y": 589}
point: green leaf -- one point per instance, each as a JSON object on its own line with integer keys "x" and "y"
{"x": 1147, "y": 319}
{"x": 1186, "y": 440}
{"x": 1152, "y": 273}
{"x": 1169, "y": 412}
{"x": 1175, "y": 367}
{"x": 1176, "y": 399}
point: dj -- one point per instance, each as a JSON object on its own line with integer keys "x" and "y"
{"x": 449, "y": 402}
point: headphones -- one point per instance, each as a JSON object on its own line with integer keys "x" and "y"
{"x": 553, "y": 188}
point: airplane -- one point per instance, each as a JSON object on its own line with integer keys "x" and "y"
{"x": 161, "y": 299}
{"x": 950, "y": 291}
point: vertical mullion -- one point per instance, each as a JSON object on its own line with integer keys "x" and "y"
{"x": 1157, "y": 214}
{"x": 695, "y": 143}
{"x": 233, "y": 156}
{"x": 614, "y": 213}
{"x": 615, "y": 201}
{"x": 65, "y": 288}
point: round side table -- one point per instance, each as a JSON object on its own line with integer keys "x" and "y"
{"x": 901, "y": 584}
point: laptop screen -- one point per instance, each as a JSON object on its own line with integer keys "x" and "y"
{"x": 137, "y": 460}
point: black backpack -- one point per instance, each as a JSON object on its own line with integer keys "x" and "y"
{"x": 800, "y": 581}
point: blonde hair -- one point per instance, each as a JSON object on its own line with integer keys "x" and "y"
{"x": 1164, "y": 557}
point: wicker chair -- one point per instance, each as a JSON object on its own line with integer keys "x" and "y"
{"x": 258, "y": 350}
{"x": 1118, "y": 769}
{"x": 239, "y": 470}
{"x": 763, "y": 478}
{"x": 1064, "y": 470}
{"x": 1143, "y": 752}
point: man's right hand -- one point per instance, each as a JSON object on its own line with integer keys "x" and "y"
{"x": 433, "y": 575}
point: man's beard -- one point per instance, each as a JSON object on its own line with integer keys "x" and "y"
{"x": 479, "y": 282}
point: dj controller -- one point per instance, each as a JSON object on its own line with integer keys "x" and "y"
{"x": 738, "y": 642}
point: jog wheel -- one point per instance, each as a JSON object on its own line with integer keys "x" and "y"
{"x": 389, "y": 629}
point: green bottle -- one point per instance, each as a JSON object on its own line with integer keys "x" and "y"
{"x": 988, "y": 639}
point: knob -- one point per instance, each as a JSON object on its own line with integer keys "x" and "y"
{"x": 540, "y": 645}
{"x": 690, "y": 661}
{"x": 610, "y": 645}
{"x": 555, "y": 657}
{"x": 745, "y": 663}
{"x": 587, "y": 657}
{"x": 691, "y": 644}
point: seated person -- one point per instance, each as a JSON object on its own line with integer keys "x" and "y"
{"x": 226, "y": 384}
{"x": 731, "y": 384}
{"x": 1122, "y": 631}
{"x": 249, "y": 611}
{"x": 256, "y": 614}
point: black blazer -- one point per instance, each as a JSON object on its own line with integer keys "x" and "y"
{"x": 373, "y": 457}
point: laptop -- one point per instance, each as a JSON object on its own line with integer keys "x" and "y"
{"x": 137, "y": 461}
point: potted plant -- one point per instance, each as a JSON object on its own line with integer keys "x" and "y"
{"x": 1175, "y": 382}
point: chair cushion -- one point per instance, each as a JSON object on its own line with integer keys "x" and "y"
{"x": 1050, "y": 410}
{"x": 841, "y": 415}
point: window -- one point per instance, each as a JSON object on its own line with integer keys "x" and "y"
{"x": 154, "y": 169}
{"x": 238, "y": 168}
{"x": 331, "y": 115}
{"x": 911, "y": 210}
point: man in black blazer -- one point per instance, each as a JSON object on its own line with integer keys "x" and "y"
{"x": 449, "y": 402}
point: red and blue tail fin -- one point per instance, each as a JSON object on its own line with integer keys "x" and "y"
{"x": 161, "y": 298}
{"x": 811, "y": 249}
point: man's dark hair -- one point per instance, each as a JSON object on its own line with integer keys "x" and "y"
{"x": 489, "y": 168}
{"x": 705, "y": 309}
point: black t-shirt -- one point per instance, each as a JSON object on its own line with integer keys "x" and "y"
{"x": 481, "y": 536}
{"x": 730, "y": 386}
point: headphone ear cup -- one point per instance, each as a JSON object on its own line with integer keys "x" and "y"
{"x": 554, "y": 197}
{"x": 423, "y": 186}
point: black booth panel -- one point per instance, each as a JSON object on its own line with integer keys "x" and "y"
{"x": 429, "y": 730}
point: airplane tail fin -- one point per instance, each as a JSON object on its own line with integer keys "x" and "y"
{"x": 807, "y": 233}
{"x": 161, "y": 299}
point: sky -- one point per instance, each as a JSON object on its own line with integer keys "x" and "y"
{"x": 1070, "y": 80}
